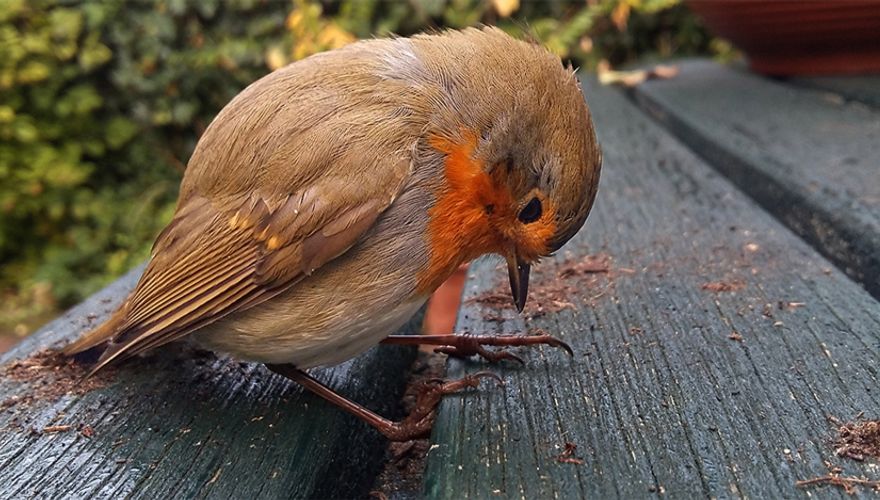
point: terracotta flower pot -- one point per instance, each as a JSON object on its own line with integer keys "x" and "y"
{"x": 792, "y": 37}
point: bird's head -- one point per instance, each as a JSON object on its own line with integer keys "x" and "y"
{"x": 521, "y": 157}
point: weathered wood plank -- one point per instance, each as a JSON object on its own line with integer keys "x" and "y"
{"x": 811, "y": 161}
{"x": 659, "y": 397}
{"x": 185, "y": 424}
{"x": 863, "y": 88}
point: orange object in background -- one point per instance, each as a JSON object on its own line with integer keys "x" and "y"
{"x": 444, "y": 303}
{"x": 799, "y": 37}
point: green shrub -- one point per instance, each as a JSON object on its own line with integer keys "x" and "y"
{"x": 102, "y": 102}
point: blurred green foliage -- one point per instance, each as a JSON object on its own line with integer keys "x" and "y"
{"x": 102, "y": 101}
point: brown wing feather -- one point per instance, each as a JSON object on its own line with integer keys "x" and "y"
{"x": 207, "y": 265}
{"x": 274, "y": 189}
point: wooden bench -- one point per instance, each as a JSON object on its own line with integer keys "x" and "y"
{"x": 184, "y": 424}
{"x": 712, "y": 352}
{"x": 810, "y": 158}
{"x": 712, "y": 338}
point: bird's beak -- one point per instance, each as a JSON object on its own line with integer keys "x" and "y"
{"x": 518, "y": 270}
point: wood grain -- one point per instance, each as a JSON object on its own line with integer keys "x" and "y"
{"x": 811, "y": 160}
{"x": 661, "y": 397}
{"x": 864, "y": 89}
{"x": 184, "y": 424}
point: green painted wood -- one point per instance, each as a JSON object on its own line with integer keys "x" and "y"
{"x": 183, "y": 424}
{"x": 811, "y": 161}
{"x": 658, "y": 397}
{"x": 862, "y": 88}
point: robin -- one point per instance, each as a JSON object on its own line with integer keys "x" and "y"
{"x": 329, "y": 199}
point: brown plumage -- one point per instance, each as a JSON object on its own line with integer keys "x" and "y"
{"x": 327, "y": 201}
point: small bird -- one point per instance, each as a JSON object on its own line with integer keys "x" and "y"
{"x": 329, "y": 199}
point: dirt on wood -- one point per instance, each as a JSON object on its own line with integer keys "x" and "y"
{"x": 568, "y": 455}
{"x": 857, "y": 440}
{"x": 723, "y": 286}
{"x": 558, "y": 292}
{"x": 404, "y": 468}
{"x": 50, "y": 429}
{"x": 48, "y": 376}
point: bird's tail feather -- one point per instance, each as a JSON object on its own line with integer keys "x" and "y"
{"x": 98, "y": 336}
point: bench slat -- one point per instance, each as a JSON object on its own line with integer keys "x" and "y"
{"x": 659, "y": 397}
{"x": 183, "y": 424}
{"x": 810, "y": 160}
{"x": 865, "y": 88}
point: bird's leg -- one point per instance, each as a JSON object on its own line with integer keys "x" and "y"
{"x": 464, "y": 345}
{"x": 416, "y": 425}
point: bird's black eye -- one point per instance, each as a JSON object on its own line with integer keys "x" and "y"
{"x": 531, "y": 212}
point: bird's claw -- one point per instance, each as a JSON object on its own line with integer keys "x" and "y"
{"x": 490, "y": 356}
{"x": 421, "y": 419}
{"x": 469, "y": 345}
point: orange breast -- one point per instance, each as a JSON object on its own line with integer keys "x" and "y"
{"x": 459, "y": 227}
{"x": 475, "y": 214}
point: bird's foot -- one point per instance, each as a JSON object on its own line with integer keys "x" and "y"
{"x": 465, "y": 345}
{"x": 416, "y": 425}
{"x": 419, "y": 422}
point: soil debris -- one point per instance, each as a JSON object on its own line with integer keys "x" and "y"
{"x": 562, "y": 291}
{"x": 567, "y": 455}
{"x": 735, "y": 336}
{"x": 723, "y": 286}
{"x": 590, "y": 264}
{"x": 404, "y": 468}
{"x": 493, "y": 298}
{"x": 49, "y": 375}
{"x": 56, "y": 428}
{"x": 857, "y": 440}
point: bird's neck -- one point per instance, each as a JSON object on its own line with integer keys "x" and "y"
{"x": 464, "y": 222}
